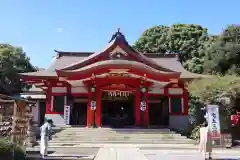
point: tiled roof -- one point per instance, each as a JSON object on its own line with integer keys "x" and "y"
{"x": 78, "y": 60}
{"x": 170, "y": 62}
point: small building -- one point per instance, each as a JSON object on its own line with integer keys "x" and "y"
{"x": 38, "y": 95}
{"x": 116, "y": 87}
{"x": 15, "y": 117}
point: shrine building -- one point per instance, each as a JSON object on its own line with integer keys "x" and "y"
{"x": 115, "y": 87}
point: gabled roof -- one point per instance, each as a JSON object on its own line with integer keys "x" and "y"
{"x": 117, "y": 40}
{"x": 69, "y": 61}
{"x": 132, "y": 66}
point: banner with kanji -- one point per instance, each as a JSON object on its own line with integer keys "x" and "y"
{"x": 214, "y": 121}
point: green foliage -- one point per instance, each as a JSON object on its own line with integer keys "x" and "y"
{"x": 199, "y": 51}
{"x": 216, "y": 90}
{"x": 209, "y": 89}
{"x": 9, "y": 149}
{"x": 194, "y": 65}
{"x": 224, "y": 55}
{"x": 12, "y": 61}
{"x": 187, "y": 40}
{"x": 195, "y": 134}
{"x": 153, "y": 40}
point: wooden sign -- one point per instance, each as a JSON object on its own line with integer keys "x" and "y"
{"x": 21, "y": 115}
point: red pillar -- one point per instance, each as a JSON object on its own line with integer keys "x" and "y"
{"x": 137, "y": 107}
{"x": 99, "y": 107}
{"x": 89, "y": 111}
{"x": 146, "y": 111}
{"x": 170, "y": 105}
{"x": 185, "y": 101}
{"x": 48, "y": 100}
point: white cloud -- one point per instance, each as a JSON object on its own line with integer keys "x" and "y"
{"x": 59, "y": 30}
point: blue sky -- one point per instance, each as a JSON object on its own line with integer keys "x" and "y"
{"x": 40, "y": 26}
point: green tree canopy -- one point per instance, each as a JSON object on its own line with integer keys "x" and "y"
{"x": 187, "y": 40}
{"x": 12, "y": 61}
{"x": 224, "y": 55}
{"x": 153, "y": 40}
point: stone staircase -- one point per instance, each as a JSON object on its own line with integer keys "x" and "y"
{"x": 87, "y": 141}
{"x": 77, "y": 136}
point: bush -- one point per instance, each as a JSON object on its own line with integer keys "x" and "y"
{"x": 215, "y": 90}
{"x": 10, "y": 151}
{"x": 195, "y": 133}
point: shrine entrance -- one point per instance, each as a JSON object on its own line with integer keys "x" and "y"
{"x": 79, "y": 112}
{"x": 118, "y": 110}
{"x": 158, "y": 111}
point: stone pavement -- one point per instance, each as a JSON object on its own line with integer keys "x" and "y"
{"x": 189, "y": 154}
{"x": 120, "y": 154}
{"x": 64, "y": 153}
{"x": 132, "y": 153}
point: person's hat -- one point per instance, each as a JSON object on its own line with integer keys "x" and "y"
{"x": 49, "y": 121}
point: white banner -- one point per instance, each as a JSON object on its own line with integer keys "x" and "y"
{"x": 67, "y": 114}
{"x": 213, "y": 120}
{"x": 142, "y": 105}
{"x": 93, "y": 105}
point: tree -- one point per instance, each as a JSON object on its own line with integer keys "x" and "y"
{"x": 224, "y": 55}
{"x": 215, "y": 90}
{"x": 187, "y": 40}
{"x": 12, "y": 61}
{"x": 153, "y": 40}
{"x": 194, "y": 65}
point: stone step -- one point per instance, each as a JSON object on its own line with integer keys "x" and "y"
{"x": 123, "y": 131}
{"x": 126, "y": 135}
{"x": 118, "y": 137}
{"x": 118, "y": 142}
{"x": 108, "y": 131}
{"x": 122, "y": 138}
{"x": 111, "y": 129}
{"x": 38, "y": 157}
{"x": 99, "y": 145}
{"x": 97, "y": 133}
{"x": 122, "y": 141}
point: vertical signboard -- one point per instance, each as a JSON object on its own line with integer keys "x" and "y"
{"x": 93, "y": 105}
{"x": 214, "y": 121}
{"x": 67, "y": 114}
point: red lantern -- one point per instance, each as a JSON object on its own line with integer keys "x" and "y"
{"x": 235, "y": 119}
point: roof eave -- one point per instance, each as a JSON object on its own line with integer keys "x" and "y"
{"x": 195, "y": 76}
{"x": 31, "y": 76}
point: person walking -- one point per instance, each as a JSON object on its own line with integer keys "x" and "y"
{"x": 205, "y": 143}
{"x": 45, "y": 130}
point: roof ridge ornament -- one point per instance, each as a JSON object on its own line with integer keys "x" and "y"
{"x": 116, "y": 34}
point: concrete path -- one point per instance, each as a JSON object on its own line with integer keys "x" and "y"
{"x": 132, "y": 153}
{"x": 119, "y": 154}
{"x": 189, "y": 154}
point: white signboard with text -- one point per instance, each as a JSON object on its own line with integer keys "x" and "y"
{"x": 93, "y": 105}
{"x": 142, "y": 105}
{"x": 67, "y": 114}
{"x": 213, "y": 120}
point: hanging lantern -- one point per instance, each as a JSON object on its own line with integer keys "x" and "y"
{"x": 92, "y": 89}
{"x": 143, "y": 90}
